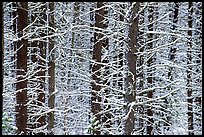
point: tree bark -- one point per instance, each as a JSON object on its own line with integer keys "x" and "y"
{"x": 150, "y": 76}
{"x": 51, "y": 70}
{"x": 21, "y": 86}
{"x": 198, "y": 61}
{"x": 189, "y": 72}
{"x": 2, "y": 54}
{"x": 96, "y": 108}
{"x": 130, "y": 95}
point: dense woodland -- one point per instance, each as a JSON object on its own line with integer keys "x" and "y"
{"x": 102, "y": 68}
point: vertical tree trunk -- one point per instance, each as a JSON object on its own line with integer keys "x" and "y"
{"x": 189, "y": 72}
{"x": 121, "y": 52}
{"x": 96, "y": 108}
{"x": 130, "y": 95}
{"x": 150, "y": 76}
{"x": 21, "y": 86}
{"x": 198, "y": 60}
{"x": 2, "y": 54}
{"x": 51, "y": 70}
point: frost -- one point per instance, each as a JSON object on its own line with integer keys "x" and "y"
{"x": 70, "y": 44}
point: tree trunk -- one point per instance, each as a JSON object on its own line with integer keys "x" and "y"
{"x": 150, "y": 76}
{"x": 51, "y": 70}
{"x": 130, "y": 95}
{"x": 21, "y": 86}
{"x": 198, "y": 60}
{"x": 2, "y": 54}
{"x": 96, "y": 108}
{"x": 189, "y": 72}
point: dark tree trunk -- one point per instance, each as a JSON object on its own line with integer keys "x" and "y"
{"x": 130, "y": 95}
{"x": 2, "y": 54}
{"x": 150, "y": 76}
{"x": 51, "y": 70}
{"x": 96, "y": 108}
{"x": 21, "y": 86}
{"x": 189, "y": 72}
{"x": 198, "y": 61}
{"x": 121, "y": 52}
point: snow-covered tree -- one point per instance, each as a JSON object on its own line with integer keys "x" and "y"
{"x": 105, "y": 68}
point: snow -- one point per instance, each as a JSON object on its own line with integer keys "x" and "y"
{"x": 74, "y": 36}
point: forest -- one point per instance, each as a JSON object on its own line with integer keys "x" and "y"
{"x": 102, "y": 68}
